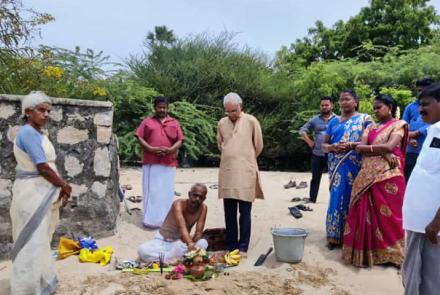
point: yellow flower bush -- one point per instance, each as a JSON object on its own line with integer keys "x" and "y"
{"x": 53, "y": 72}
{"x": 99, "y": 91}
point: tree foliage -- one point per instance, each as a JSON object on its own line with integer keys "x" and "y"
{"x": 382, "y": 26}
{"x": 19, "y": 24}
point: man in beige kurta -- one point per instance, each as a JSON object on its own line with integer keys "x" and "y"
{"x": 240, "y": 142}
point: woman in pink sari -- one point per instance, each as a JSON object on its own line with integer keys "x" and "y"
{"x": 373, "y": 231}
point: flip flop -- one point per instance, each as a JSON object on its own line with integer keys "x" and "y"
{"x": 127, "y": 187}
{"x": 213, "y": 186}
{"x": 302, "y": 184}
{"x": 135, "y": 209}
{"x": 295, "y": 212}
{"x": 296, "y": 199}
{"x": 290, "y": 184}
{"x": 139, "y": 199}
{"x": 177, "y": 194}
{"x": 132, "y": 199}
{"x": 303, "y": 207}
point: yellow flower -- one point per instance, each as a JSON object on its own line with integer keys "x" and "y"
{"x": 53, "y": 72}
{"x": 99, "y": 91}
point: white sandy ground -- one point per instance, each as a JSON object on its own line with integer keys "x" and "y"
{"x": 321, "y": 272}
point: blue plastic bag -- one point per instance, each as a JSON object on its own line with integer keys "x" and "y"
{"x": 88, "y": 243}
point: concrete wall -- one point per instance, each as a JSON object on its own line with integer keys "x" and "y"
{"x": 81, "y": 132}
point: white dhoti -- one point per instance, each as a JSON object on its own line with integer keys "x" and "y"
{"x": 172, "y": 249}
{"x": 158, "y": 191}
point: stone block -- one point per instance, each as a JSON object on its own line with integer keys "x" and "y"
{"x": 99, "y": 189}
{"x": 72, "y": 166}
{"x": 101, "y": 162}
{"x": 103, "y": 119}
{"x": 6, "y": 111}
{"x": 12, "y": 132}
{"x": 71, "y": 135}
{"x": 56, "y": 114}
{"x": 78, "y": 190}
{"x": 75, "y": 117}
{"x": 103, "y": 134}
{"x": 5, "y": 189}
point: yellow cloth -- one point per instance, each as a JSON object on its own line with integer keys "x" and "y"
{"x": 239, "y": 144}
{"x": 103, "y": 256}
{"x": 67, "y": 247}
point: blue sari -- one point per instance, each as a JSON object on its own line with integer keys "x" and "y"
{"x": 343, "y": 169}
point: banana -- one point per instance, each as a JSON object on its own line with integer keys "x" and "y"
{"x": 227, "y": 259}
{"x": 235, "y": 257}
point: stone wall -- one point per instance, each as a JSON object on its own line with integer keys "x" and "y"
{"x": 81, "y": 132}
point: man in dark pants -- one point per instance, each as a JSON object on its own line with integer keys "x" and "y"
{"x": 417, "y": 128}
{"x": 318, "y": 124}
{"x": 240, "y": 142}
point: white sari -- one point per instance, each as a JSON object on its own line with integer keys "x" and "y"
{"x": 33, "y": 271}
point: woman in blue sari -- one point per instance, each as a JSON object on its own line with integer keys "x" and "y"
{"x": 343, "y": 134}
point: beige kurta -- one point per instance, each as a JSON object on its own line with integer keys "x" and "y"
{"x": 239, "y": 144}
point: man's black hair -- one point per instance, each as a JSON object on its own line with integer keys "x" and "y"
{"x": 327, "y": 98}
{"x": 432, "y": 90}
{"x": 160, "y": 99}
{"x": 425, "y": 81}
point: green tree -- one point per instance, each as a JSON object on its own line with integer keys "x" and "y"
{"x": 19, "y": 24}
{"x": 382, "y": 26}
{"x": 161, "y": 36}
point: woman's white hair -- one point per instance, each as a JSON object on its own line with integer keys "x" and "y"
{"x": 33, "y": 99}
{"x": 232, "y": 97}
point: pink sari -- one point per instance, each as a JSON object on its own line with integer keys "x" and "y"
{"x": 373, "y": 231}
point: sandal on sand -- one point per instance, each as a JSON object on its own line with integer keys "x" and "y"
{"x": 132, "y": 199}
{"x": 302, "y": 184}
{"x": 135, "y": 209}
{"x": 139, "y": 199}
{"x": 213, "y": 186}
{"x": 303, "y": 207}
{"x": 296, "y": 199}
{"x": 177, "y": 194}
{"x": 295, "y": 212}
{"x": 127, "y": 187}
{"x": 290, "y": 184}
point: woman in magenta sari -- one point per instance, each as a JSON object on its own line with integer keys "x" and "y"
{"x": 373, "y": 231}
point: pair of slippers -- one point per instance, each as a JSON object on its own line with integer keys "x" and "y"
{"x": 295, "y": 211}
{"x": 213, "y": 186}
{"x": 135, "y": 199}
{"x": 291, "y": 184}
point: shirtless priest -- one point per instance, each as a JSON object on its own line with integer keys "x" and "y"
{"x": 173, "y": 239}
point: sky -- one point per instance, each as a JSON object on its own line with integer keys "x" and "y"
{"x": 119, "y": 27}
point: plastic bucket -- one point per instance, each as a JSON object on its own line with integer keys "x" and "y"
{"x": 289, "y": 244}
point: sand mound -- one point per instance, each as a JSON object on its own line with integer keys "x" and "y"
{"x": 295, "y": 281}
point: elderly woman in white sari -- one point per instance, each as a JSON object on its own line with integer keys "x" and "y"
{"x": 38, "y": 193}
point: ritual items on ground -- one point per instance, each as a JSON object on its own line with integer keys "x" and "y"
{"x": 197, "y": 265}
{"x": 86, "y": 248}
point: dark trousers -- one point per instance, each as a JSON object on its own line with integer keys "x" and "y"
{"x": 319, "y": 163}
{"x": 410, "y": 163}
{"x": 232, "y": 240}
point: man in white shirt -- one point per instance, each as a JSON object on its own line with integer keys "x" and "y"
{"x": 421, "y": 206}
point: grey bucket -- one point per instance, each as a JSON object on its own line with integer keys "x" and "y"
{"x": 289, "y": 244}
